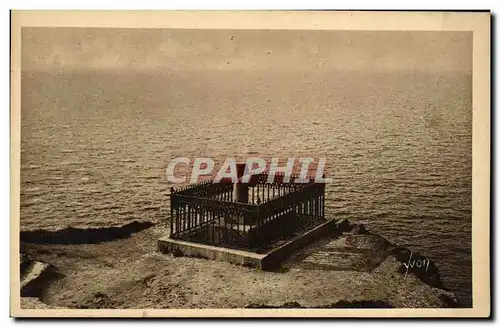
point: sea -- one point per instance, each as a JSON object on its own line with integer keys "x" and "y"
{"x": 95, "y": 146}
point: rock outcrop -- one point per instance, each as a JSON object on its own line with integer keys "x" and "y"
{"x": 411, "y": 262}
{"x": 366, "y": 271}
{"x": 72, "y": 235}
{"x": 36, "y": 277}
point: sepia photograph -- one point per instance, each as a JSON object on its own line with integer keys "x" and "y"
{"x": 237, "y": 162}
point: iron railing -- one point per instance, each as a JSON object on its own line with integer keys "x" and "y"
{"x": 205, "y": 212}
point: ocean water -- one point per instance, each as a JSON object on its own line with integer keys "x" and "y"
{"x": 95, "y": 146}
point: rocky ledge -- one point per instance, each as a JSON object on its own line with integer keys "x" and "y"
{"x": 71, "y": 235}
{"x": 411, "y": 262}
{"x": 363, "y": 270}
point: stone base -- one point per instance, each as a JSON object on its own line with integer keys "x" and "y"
{"x": 266, "y": 261}
{"x": 198, "y": 250}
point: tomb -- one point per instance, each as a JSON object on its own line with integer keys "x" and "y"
{"x": 253, "y": 219}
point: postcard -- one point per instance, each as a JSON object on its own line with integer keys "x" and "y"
{"x": 250, "y": 164}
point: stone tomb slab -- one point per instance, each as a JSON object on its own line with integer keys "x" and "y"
{"x": 348, "y": 252}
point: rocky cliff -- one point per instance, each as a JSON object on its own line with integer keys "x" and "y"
{"x": 361, "y": 270}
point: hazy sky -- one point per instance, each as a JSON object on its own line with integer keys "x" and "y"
{"x": 83, "y": 48}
